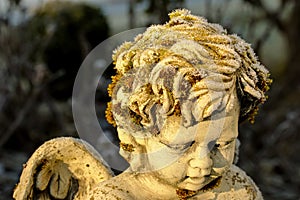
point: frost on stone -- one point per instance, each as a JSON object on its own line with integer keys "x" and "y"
{"x": 174, "y": 59}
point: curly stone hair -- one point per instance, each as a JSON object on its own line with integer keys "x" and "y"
{"x": 187, "y": 67}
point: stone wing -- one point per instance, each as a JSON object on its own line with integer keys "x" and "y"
{"x": 62, "y": 168}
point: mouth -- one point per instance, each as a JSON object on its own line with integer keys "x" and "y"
{"x": 186, "y": 193}
{"x": 200, "y": 179}
{"x": 196, "y": 180}
{"x": 203, "y": 183}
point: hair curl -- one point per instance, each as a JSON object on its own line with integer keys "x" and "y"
{"x": 187, "y": 67}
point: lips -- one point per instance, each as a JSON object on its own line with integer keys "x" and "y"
{"x": 197, "y": 183}
{"x": 196, "y": 180}
{"x": 193, "y": 183}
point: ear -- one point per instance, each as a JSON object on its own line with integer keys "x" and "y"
{"x": 132, "y": 149}
{"x": 128, "y": 138}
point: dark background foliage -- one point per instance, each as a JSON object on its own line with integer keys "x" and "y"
{"x": 41, "y": 52}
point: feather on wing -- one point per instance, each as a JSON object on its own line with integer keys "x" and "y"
{"x": 62, "y": 168}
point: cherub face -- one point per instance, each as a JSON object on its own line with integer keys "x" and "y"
{"x": 190, "y": 158}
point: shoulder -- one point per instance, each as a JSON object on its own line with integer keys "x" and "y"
{"x": 112, "y": 189}
{"x": 238, "y": 185}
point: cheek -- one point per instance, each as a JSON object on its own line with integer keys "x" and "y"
{"x": 223, "y": 158}
{"x": 172, "y": 173}
{"x": 161, "y": 159}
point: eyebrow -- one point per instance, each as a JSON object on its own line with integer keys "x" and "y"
{"x": 226, "y": 139}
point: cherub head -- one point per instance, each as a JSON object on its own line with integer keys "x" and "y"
{"x": 177, "y": 98}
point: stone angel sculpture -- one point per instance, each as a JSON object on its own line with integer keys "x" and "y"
{"x": 179, "y": 93}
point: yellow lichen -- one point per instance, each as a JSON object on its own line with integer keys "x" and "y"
{"x": 127, "y": 147}
{"x": 109, "y": 115}
{"x": 183, "y": 194}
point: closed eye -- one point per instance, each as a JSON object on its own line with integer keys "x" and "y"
{"x": 215, "y": 144}
{"x": 180, "y": 147}
{"x": 223, "y": 144}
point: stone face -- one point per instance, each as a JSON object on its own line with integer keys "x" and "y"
{"x": 179, "y": 93}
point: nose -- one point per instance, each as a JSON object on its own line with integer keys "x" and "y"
{"x": 202, "y": 162}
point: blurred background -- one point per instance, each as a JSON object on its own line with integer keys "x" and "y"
{"x": 43, "y": 43}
